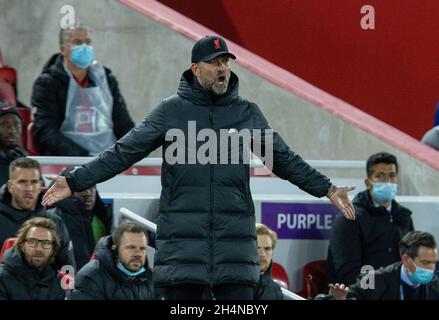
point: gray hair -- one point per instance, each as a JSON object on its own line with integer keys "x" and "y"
{"x": 64, "y": 33}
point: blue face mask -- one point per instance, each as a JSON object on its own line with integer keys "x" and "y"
{"x": 384, "y": 192}
{"x": 129, "y": 273}
{"x": 421, "y": 275}
{"x": 82, "y": 56}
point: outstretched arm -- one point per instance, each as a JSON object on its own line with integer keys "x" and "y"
{"x": 290, "y": 166}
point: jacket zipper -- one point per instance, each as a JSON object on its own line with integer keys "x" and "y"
{"x": 211, "y": 208}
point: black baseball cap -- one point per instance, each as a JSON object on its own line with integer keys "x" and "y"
{"x": 8, "y": 108}
{"x": 209, "y": 48}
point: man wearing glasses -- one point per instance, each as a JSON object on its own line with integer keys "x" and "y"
{"x": 27, "y": 271}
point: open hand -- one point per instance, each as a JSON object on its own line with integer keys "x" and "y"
{"x": 340, "y": 199}
{"x": 59, "y": 191}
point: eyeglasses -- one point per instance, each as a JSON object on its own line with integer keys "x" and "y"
{"x": 33, "y": 243}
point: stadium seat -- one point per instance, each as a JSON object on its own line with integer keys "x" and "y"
{"x": 26, "y": 119}
{"x": 8, "y": 85}
{"x": 280, "y": 275}
{"x": 9, "y": 243}
{"x": 31, "y": 145}
{"x": 315, "y": 278}
{"x": 7, "y": 93}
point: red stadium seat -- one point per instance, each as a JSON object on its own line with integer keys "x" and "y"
{"x": 31, "y": 146}
{"x": 315, "y": 278}
{"x": 9, "y": 75}
{"x": 9, "y": 243}
{"x": 7, "y": 92}
{"x": 8, "y": 85}
{"x": 280, "y": 275}
{"x": 26, "y": 119}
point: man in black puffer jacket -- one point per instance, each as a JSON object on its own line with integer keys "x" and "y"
{"x": 27, "y": 271}
{"x": 267, "y": 288}
{"x": 50, "y": 97}
{"x": 206, "y": 237}
{"x": 373, "y": 238}
{"x": 120, "y": 270}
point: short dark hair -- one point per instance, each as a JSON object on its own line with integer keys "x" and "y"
{"x": 381, "y": 157}
{"x": 23, "y": 163}
{"x": 411, "y": 242}
{"x": 127, "y": 227}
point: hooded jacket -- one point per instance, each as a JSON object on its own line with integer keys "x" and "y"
{"x": 100, "y": 279}
{"x": 19, "y": 281}
{"x": 206, "y": 230}
{"x": 267, "y": 288}
{"x": 11, "y": 220}
{"x": 371, "y": 239}
{"x": 388, "y": 286}
{"x": 49, "y": 96}
{"x": 78, "y": 223}
{"x": 7, "y": 155}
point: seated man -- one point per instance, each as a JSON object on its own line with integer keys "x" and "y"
{"x": 267, "y": 289}
{"x": 87, "y": 219}
{"x": 27, "y": 271}
{"x": 10, "y": 131}
{"x": 413, "y": 279}
{"x": 20, "y": 200}
{"x": 120, "y": 270}
{"x": 79, "y": 108}
{"x": 372, "y": 238}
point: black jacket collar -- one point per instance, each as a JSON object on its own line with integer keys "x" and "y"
{"x": 106, "y": 257}
{"x": 14, "y": 262}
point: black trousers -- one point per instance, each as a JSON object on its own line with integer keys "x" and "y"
{"x": 200, "y": 292}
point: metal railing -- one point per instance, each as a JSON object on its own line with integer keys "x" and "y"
{"x": 157, "y": 162}
{"x": 150, "y": 226}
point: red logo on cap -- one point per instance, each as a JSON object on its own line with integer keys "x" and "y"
{"x": 217, "y": 44}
